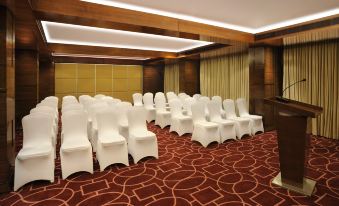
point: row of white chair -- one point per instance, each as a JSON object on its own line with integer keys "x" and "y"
{"x": 115, "y": 130}
{"x": 36, "y": 158}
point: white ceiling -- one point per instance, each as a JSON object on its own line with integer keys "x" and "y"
{"x": 92, "y": 36}
{"x": 251, "y": 16}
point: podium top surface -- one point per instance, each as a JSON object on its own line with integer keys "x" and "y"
{"x": 300, "y": 108}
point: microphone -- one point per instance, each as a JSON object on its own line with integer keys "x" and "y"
{"x": 281, "y": 98}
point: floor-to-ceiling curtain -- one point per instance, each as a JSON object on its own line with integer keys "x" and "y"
{"x": 318, "y": 62}
{"x": 225, "y": 75}
{"x": 171, "y": 78}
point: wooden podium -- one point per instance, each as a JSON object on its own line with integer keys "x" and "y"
{"x": 293, "y": 127}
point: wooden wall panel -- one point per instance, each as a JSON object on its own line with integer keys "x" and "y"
{"x": 189, "y": 76}
{"x": 153, "y": 78}
{"x": 7, "y": 97}
{"x": 265, "y": 81}
{"x": 27, "y": 82}
{"x": 46, "y": 79}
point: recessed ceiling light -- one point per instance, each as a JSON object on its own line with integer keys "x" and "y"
{"x": 93, "y": 36}
{"x": 278, "y": 25}
{"x": 98, "y": 56}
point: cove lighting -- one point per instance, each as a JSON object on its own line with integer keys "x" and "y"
{"x": 278, "y": 25}
{"x": 98, "y": 56}
{"x": 93, "y": 36}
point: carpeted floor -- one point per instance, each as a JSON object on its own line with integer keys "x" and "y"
{"x": 233, "y": 173}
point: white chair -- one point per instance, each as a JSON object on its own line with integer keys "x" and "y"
{"x": 182, "y": 97}
{"x": 99, "y": 96}
{"x": 108, "y": 100}
{"x": 123, "y": 107}
{"x": 94, "y": 109}
{"x": 179, "y": 123}
{"x": 205, "y": 100}
{"x": 149, "y": 106}
{"x": 162, "y": 116}
{"x": 170, "y": 96}
{"x": 218, "y": 100}
{"x": 242, "y": 124}
{"x": 83, "y": 98}
{"x": 35, "y": 161}
{"x": 226, "y": 127}
{"x": 203, "y": 131}
{"x": 256, "y": 120}
{"x": 196, "y": 96}
{"x": 75, "y": 150}
{"x": 111, "y": 146}
{"x": 141, "y": 142}
{"x": 187, "y": 106}
{"x": 137, "y": 99}
{"x": 70, "y": 107}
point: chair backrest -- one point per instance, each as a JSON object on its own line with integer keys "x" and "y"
{"x": 136, "y": 119}
{"x": 122, "y": 108}
{"x": 229, "y": 108}
{"x": 99, "y": 96}
{"x": 218, "y": 100}
{"x": 182, "y": 97}
{"x": 74, "y": 125}
{"x": 214, "y": 111}
{"x": 48, "y": 108}
{"x": 137, "y": 99}
{"x": 54, "y": 100}
{"x": 170, "y": 96}
{"x": 108, "y": 100}
{"x": 148, "y": 100}
{"x": 159, "y": 94}
{"x": 37, "y": 129}
{"x": 96, "y": 107}
{"x": 83, "y": 98}
{"x": 160, "y": 103}
{"x": 176, "y": 107}
{"x": 242, "y": 107}
{"x": 198, "y": 112}
{"x": 70, "y": 107}
{"x": 196, "y": 96}
{"x": 43, "y": 110}
{"x": 188, "y": 104}
{"x": 107, "y": 122}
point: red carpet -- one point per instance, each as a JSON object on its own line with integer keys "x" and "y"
{"x": 233, "y": 173}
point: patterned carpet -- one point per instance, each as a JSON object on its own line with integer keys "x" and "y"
{"x": 233, "y": 173}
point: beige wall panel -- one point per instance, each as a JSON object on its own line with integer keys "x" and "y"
{"x": 65, "y": 71}
{"x": 124, "y": 96}
{"x": 104, "y": 85}
{"x": 103, "y": 71}
{"x": 61, "y": 95}
{"x": 86, "y": 86}
{"x": 119, "y": 72}
{"x": 134, "y": 85}
{"x": 119, "y": 85}
{"x": 65, "y": 86}
{"x": 134, "y": 71}
{"x": 86, "y": 71}
{"x": 106, "y": 93}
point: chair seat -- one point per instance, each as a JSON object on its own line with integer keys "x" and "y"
{"x": 164, "y": 112}
{"x": 241, "y": 119}
{"x": 150, "y": 108}
{"x": 255, "y": 117}
{"x": 34, "y": 152}
{"x": 207, "y": 124}
{"x": 115, "y": 139}
{"x": 72, "y": 145}
{"x": 183, "y": 117}
{"x": 223, "y": 121}
{"x": 143, "y": 135}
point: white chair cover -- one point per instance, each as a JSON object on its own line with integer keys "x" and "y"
{"x": 179, "y": 123}
{"x": 218, "y": 100}
{"x": 226, "y": 127}
{"x": 75, "y": 150}
{"x": 162, "y": 116}
{"x": 149, "y": 106}
{"x": 188, "y": 105}
{"x": 256, "y": 120}
{"x": 137, "y": 99}
{"x": 122, "y": 108}
{"x": 203, "y": 132}
{"x": 242, "y": 124}
{"x": 111, "y": 146}
{"x": 35, "y": 161}
{"x": 141, "y": 142}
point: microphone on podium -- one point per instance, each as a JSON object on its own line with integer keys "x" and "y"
{"x": 281, "y": 98}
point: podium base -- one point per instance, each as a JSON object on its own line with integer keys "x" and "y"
{"x": 306, "y": 189}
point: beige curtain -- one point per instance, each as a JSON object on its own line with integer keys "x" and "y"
{"x": 171, "y": 78}
{"x": 225, "y": 75}
{"x": 318, "y": 62}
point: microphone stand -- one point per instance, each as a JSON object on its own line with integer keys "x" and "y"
{"x": 285, "y": 100}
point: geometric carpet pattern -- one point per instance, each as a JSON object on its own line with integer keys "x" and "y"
{"x": 232, "y": 173}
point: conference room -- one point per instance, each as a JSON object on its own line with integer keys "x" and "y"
{"x": 192, "y": 102}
